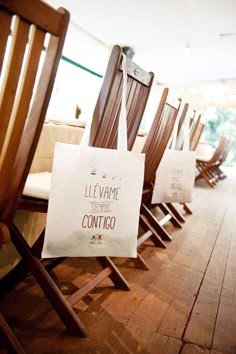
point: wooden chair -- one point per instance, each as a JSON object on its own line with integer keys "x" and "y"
{"x": 154, "y": 148}
{"x": 104, "y": 135}
{"x": 219, "y": 174}
{"x": 23, "y": 105}
{"x": 206, "y": 165}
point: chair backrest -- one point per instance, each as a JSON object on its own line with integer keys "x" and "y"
{"x": 226, "y": 150}
{"x": 219, "y": 150}
{"x": 107, "y": 109}
{"x": 25, "y": 89}
{"x": 196, "y": 133}
{"x": 159, "y": 135}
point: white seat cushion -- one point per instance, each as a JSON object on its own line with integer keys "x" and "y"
{"x": 204, "y": 158}
{"x": 38, "y": 185}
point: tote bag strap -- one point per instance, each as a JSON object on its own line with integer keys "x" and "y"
{"x": 174, "y": 135}
{"x": 186, "y": 133}
{"x": 122, "y": 126}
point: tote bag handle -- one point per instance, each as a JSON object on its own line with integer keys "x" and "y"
{"x": 186, "y": 132}
{"x": 122, "y": 126}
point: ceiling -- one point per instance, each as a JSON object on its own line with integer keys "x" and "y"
{"x": 159, "y": 30}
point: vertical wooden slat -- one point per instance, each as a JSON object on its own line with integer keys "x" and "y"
{"x": 5, "y": 23}
{"x": 137, "y": 114}
{"x": 10, "y": 81}
{"x": 159, "y": 136}
{"x": 130, "y": 97}
{"x": 111, "y": 110}
{"x": 21, "y": 105}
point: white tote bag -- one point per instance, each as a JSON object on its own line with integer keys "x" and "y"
{"x": 175, "y": 175}
{"x": 95, "y": 197}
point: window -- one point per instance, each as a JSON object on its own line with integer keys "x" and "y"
{"x": 79, "y": 77}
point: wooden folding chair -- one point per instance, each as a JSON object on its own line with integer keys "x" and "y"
{"x": 219, "y": 174}
{"x": 154, "y": 149}
{"x": 104, "y": 135}
{"x": 205, "y": 165}
{"x": 25, "y": 92}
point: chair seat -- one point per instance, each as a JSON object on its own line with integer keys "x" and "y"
{"x": 38, "y": 185}
{"x": 204, "y": 158}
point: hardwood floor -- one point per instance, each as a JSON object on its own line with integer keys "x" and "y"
{"x": 185, "y": 303}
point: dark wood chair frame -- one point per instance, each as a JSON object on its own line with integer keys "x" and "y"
{"x": 218, "y": 173}
{"x": 23, "y": 105}
{"x": 207, "y": 168}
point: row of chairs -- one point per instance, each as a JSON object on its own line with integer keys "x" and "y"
{"x": 209, "y": 167}
{"x": 23, "y": 105}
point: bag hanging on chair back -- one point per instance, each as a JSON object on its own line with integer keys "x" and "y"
{"x": 95, "y": 197}
{"x": 175, "y": 175}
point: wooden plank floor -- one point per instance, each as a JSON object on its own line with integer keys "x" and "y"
{"x": 185, "y": 303}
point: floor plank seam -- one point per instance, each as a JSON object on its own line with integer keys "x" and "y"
{"x": 181, "y": 348}
{"x": 198, "y": 345}
{"x": 205, "y": 271}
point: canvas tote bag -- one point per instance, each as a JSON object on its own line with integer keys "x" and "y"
{"x": 95, "y": 197}
{"x": 175, "y": 175}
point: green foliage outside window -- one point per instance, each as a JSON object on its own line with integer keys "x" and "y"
{"x": 221, "y": 121}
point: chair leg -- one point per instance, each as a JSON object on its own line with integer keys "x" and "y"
{"x": 10, "y": 336}
{"x": 115, "y": 276}
{"x": 155, "y": 224}
{"x": 109, "y": 270}
{"x": 150, "y": 232}
{"x": 166, "y": 210}
{"x": 187, "y": 209}
{"x": 203, "y": 174}
{"x": 175, "y": 212}
{"x": 221, "y": 174}
{"x": 139, "y": 262}
{"x": 50, "y": 289}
